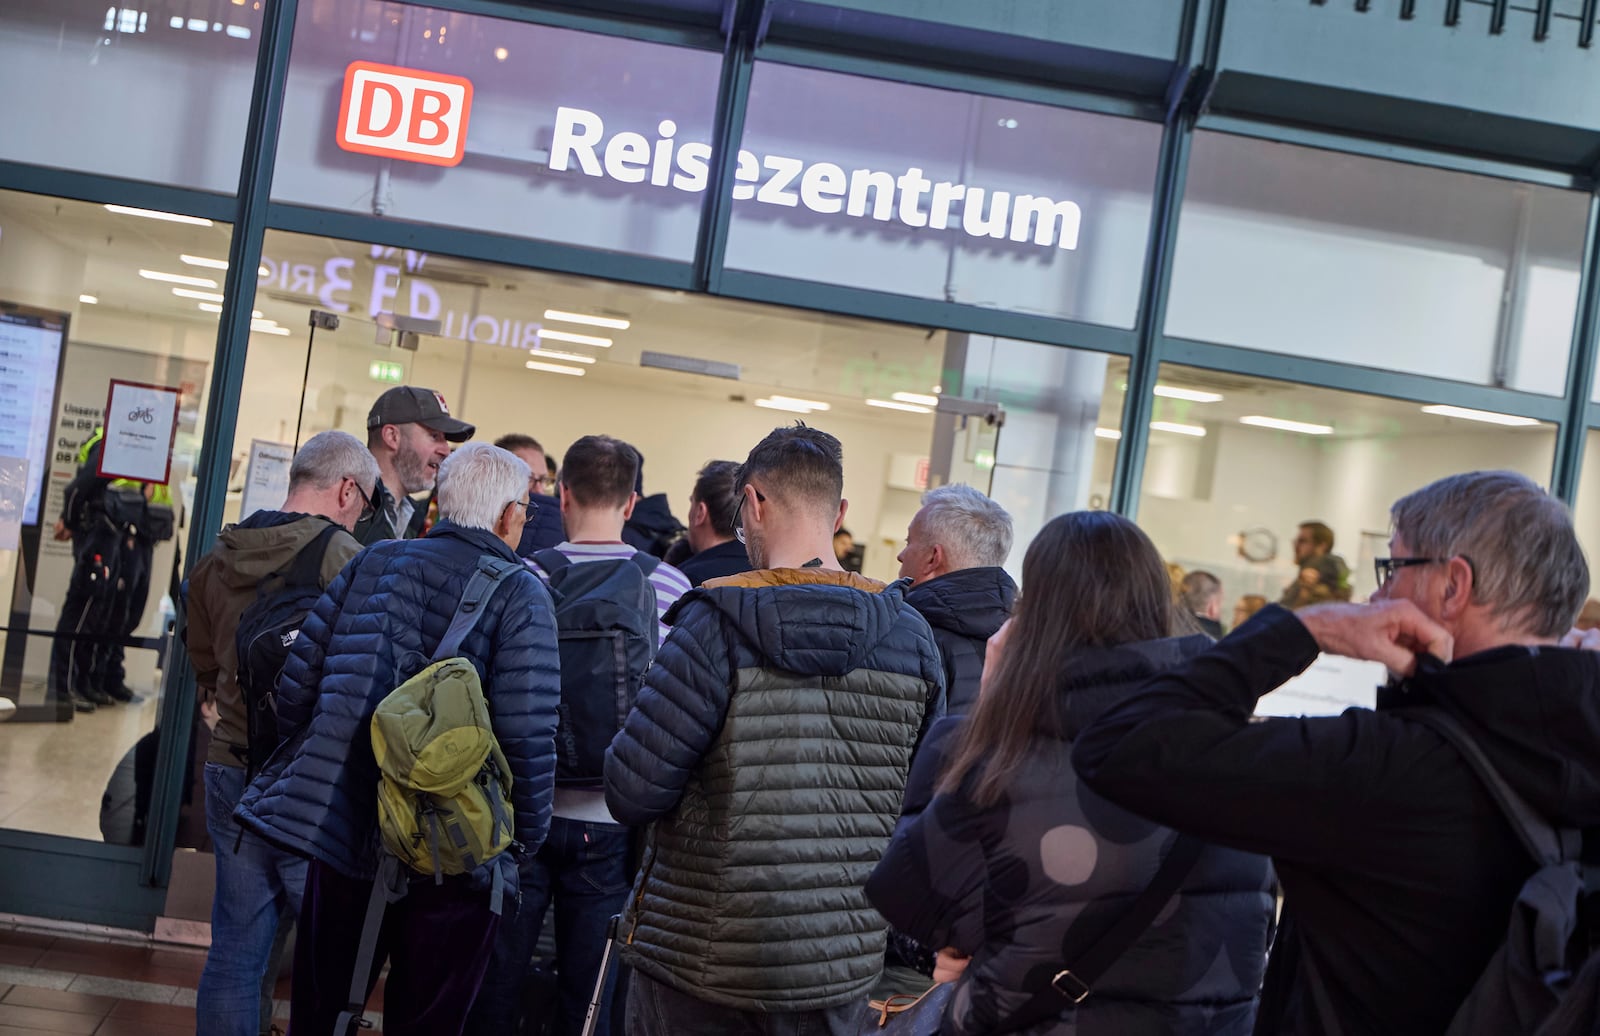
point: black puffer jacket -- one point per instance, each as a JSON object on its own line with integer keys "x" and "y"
{"x": 1053, "y": 864}
{"x": 770, "y": 746}
{"x": 385, "y": 612}
{"x": 965, "y": 608}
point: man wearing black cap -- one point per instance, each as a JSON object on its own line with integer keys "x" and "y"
{"x": 409, "y": 431}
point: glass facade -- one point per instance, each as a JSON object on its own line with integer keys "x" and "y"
{"x": 953, "y": 273}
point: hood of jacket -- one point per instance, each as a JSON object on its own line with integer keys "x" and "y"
{"x": 812, "y": 621}
{"x": 1535, "y": 711}
{"x": 1099, "y": 677}
{"x": 970, "y": 602}
{"x": 258, "y": 546}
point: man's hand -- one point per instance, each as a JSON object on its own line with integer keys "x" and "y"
{"x": 61, "y": 532}
{"x": 1586, "y": 640}
{"x": 949, "y": 964}
{"x": 209, "y": 713}
{"x": 1391, "y": 632}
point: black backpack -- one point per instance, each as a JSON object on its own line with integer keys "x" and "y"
{"x": 266, "y": 632}
{"x": 607, "y": 628}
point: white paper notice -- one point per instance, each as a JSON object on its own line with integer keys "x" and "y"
{"x": 141, "y": 424}
{"x": 13, "y": 500}
{"x": 266, "y": 479}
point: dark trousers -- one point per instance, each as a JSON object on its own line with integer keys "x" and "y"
{"x": 124, "y": 613}
{"x": 84, "y": 612}
{"x": 583, "y": 868}
{"x": 437, "y": 941}
{"x": 656, "y": 1009}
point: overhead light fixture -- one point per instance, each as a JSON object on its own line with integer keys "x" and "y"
{"x": 793, "y": 405}
{"x": 169, "y": 217}
{"x": 1107, "y": 433}
{"x": 88, "y": 300}
{"x": 554, "y": 368}
{"x": 615, "y": 323}
{"x": 200, "y": 260}
{"x": 890, "y": 404}
{"x": 574, "y": 338}
{"x": 913, "y": 397}
{"x": 177, "y": 278}
{"x": 203, "y": 296}
{"x": 1192, "y": 395}
{"x": 268, "y": 327}
{"x": 263, "y": 272}
{"x": 1178, "y": 429}
{"x": 1303, "y": 427}
{"x": 212, "y": 307}
{"x": 552, "y": 354}
{"x": 1485, "y": 416}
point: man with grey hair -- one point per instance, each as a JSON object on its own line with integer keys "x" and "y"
{"x": 330, "y": 488}
{"x": 378, "y": 625}
{"x": 954, "y": 549}
{"x": 1399, "y": 869}
{"x": 1200, "y": 594}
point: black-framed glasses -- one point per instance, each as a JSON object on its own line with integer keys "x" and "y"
{"x": 1387, "y": 567}
{"x": 530, "y": 507}
{"x": 738, "y": 513}
{"x": 367, "y": 509}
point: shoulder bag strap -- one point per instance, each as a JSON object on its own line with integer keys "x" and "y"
{"x": 1083, "y": 968}
{"x": 306, "y": 569}
{"x": 551, "y": 560}
{"x": 486, "y": 579}
{"x": 648, "y": 563}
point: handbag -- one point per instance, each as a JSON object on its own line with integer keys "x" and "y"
{"x": 906, "y": 1015}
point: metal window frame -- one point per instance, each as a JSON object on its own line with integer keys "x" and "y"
{"x": 116, "y": 885}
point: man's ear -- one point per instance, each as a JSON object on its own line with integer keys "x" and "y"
{"x": 698, "y": 514}
{"x": 627, "y": 510}
{"x": 838, "y": 523}
{"x": 391, "y": 436}
{"x": 936, "y": 558}
{"x": 1456, "y": 592}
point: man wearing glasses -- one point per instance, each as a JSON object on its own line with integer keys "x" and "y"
{"x": 330, "y": 488}
{"x": 1398, "y": 868}
{"x": 544, "y": 529}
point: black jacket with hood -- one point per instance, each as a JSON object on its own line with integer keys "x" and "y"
{"x": 1398, "y": 869}
{"x": 965, "y": 608}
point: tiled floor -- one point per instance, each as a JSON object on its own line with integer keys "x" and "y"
{"x": 57, "y": 983}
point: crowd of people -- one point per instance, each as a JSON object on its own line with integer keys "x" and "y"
{"x": 816, "y": 802}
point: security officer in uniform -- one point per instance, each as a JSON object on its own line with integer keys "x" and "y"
{"x": 96, "y": 550}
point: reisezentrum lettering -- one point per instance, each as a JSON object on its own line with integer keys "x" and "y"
{"x": 822, "y": 187}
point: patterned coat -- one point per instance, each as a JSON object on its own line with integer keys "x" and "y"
{"x": 1052, "y": 862}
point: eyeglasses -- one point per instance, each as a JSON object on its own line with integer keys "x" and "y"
{"x": 1387, "y": 567}
{"x": 530, "y": 507}
{"x": 738, "y": 513}
{"x": 542, "y": 484}
{"x": 367, "y": 510}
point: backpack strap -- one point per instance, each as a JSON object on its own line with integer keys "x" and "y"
{"x": 648, "y": 563}
{"x": 388, "y": 886}
{"x": 486, "y": 579}
{"x": 551, "y": 560}
{"x": 306, "y": 569}
{"x": 1546, "y": 844}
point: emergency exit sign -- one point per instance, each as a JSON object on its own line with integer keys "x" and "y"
{"x": 382, "y": 371}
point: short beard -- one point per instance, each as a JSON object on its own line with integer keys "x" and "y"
{"x": 414, "y": 473}
{"x": 755, "y": 550}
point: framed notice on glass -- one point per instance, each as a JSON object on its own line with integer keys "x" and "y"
{"x": 141, "y": 426}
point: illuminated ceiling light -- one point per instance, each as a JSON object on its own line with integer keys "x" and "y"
{"x": 1287, "y": 426}
{"x": 1486, "y": 416}
{"x": 615, "y": 323}
{"x": 1107, "y": 433}
{"x": 169, "y": 217}
{"x": 792, "y": 406}
{"x": 910, "y": 408}
{"x": 1192, "y": 395}
{"x": 809, "y": 404}
{"x": 88, "y": 300}
{"x": 262, "y": 271}
{"x": 212, "y": 307}
{"x": 552, "y": 354}
{"x": 554, "y": 368}
{"x": 1178, "y": 429}
{"x": 200, "y": 260}
{"x": 203, "y": 296}
{"x": 268, "y": 327}
{"x": 575, "y": 339}
{"x": 238, "y": 32}
{"x": 501, "y": 53}
{"x": 177, "y": 278}
{"x": 913, "y": 397}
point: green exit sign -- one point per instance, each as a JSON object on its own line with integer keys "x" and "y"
{"x": 382, "y": 371}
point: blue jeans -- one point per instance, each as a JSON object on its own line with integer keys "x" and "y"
{"x": 583, "y": 867}
{"x": 254, "y": 885}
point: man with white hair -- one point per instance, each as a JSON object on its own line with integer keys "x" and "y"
{"x": 377, "y": 626}
{"x": 953, "y": 553}
{"x": 1399, "y": 868}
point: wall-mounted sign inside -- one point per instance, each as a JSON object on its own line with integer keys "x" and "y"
{"x": 403, "y": 113}
{"x": 141, "y": 426}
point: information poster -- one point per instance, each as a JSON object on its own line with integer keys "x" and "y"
{"x": 30, "y": 356}
{"x": 266, "y": 479}
{"x": 141, "y": 427}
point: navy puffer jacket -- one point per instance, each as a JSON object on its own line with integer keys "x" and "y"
{"x": 965, "y": 608}
{"x": 387, "y": 611}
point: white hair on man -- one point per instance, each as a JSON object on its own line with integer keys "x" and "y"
{"x": 974, "y": 531}
{"x": 327, "y": 458}
{"x": 477, "y": 481}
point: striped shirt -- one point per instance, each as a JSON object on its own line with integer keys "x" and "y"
{"x": 669, "y": 583}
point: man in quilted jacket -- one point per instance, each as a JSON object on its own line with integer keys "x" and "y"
{"x": 770, "y": 747}
{"x": 375, "y": 627}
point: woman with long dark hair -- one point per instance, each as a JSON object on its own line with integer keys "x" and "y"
{"x": 1016, "y": 866}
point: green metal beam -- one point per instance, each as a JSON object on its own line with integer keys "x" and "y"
{"x": 76, "y": 880}
{"x": 1568, "y": 464}
{"x": 733, "y": 101}
{"x": 105, "y": 190}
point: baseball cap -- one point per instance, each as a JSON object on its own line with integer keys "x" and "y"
{"x": 411, "y": 405}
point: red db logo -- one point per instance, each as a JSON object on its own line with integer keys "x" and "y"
{"x": 402, "y": 113}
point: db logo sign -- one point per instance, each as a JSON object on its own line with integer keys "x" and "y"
{"x": 405, "y": 114}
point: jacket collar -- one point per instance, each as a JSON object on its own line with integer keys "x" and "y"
{"x": 485, "y": 541}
